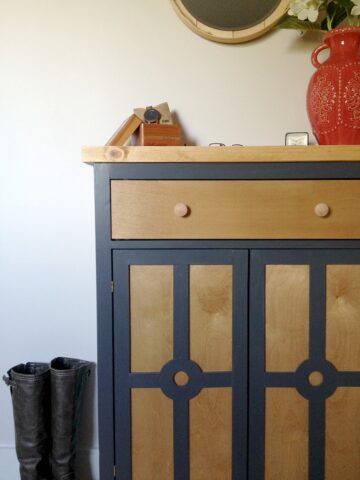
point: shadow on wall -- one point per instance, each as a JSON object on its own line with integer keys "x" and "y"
{"x": 185, "y": 138}
{"x": 307, "y": 42}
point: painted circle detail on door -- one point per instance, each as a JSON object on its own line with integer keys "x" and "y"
{"x": 181, "y": 379}
{"x": 316, "y": 379}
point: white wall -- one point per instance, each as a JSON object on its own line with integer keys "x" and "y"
{"x": 71, "y": 71}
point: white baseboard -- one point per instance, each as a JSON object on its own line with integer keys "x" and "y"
{"x": 87, "y": 461}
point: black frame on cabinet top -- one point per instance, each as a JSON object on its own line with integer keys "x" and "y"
{"x": 230, "y": 171}
{"x": 105, "y": 172}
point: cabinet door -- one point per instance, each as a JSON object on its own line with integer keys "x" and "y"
{"x": 305, "y": 365}
{"x": 180, "y": 363}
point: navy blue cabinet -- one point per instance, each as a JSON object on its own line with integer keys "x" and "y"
{"x": 228, "y": 320}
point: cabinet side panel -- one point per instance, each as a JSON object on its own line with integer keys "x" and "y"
{"x": 210, "y": 435}
{"x": 152, "y": 435}
{"x": 151, "y": 316}
{"x": 343, "y": 320}
{"x": 211, "y": 316}
{"x": 342, "y": 454}
{"x": 287, "y": 316}
{"x": 286, "y": 435}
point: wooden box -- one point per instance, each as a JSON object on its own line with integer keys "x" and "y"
{"x": 154, "y": 134}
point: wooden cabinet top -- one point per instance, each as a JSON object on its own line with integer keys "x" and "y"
{"x": 311, "y": 153}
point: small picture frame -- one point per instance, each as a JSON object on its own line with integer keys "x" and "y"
{"x": 297, "y": 138}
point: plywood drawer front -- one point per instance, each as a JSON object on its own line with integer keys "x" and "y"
{"x": 230, "y": 209}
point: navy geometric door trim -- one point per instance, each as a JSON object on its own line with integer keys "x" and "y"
{"x": 237, "y": 379}
{"x": 259, "y": 379}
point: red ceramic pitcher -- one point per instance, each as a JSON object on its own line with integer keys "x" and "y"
{"x": 333, "y": 97}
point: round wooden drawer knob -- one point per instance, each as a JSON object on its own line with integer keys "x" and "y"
{"x": 322, "y": 209}
{"x": 181, "y": 210}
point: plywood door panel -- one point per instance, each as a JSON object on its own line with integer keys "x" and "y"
{"x": 152, "y": 435}
{"x": 342, "y": 454}
{"x": 211, "y": 316}
{"x": 286, "y": 435}
{"x": 286, "y": 316}
{"x": 343, "y": 316}
{"x": 151, "y": 316}
{"x": 210, "y": 435}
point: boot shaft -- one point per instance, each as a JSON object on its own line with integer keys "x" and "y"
{"x": 30, "y": 394}
{"x": 68, "y": 378}
{"x": 47, "y": 401}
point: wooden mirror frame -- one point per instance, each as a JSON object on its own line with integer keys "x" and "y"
{"x": 230, "y": 36}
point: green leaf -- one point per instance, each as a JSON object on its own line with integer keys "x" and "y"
{"x": 339, "y": 17}
{"x": 346, "y": 4}
{"x": 331, "y": 8}
{"x": 335, "y": 14}
{"x": 293, "y": 23}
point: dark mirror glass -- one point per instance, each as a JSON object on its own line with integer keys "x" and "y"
{"x": 231, "y": 14}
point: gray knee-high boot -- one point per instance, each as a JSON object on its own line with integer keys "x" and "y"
{"x": 30, "y": 393}
{"x": 68, "y": 378}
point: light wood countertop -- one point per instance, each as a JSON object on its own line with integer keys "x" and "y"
{"x": 258, "y": 154}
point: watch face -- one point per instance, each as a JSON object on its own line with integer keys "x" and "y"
{"x": 297, "y": 138}
{"x": 151, "y": 115}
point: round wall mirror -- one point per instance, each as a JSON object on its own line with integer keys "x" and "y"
{"x": 230, "y": 21}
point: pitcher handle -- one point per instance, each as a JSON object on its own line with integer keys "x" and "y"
{"x": 315, "y": 53}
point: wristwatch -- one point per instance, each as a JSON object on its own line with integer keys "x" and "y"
{"x": 151, "y": 115}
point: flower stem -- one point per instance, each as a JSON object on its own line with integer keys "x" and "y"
{"x": 329, "y": 22}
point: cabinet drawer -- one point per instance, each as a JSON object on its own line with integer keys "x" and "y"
{"x": 231, "y": 209}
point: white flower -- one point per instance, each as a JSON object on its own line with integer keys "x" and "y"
{"x": 306, "y": 9}
{"x": 356, "y": 8}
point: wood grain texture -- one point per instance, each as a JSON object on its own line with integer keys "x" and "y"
{"x": 286, "y": 435}
{"x": 210, "y": 435}
{"x": 342, "y": 437}
{"x": 154, "y": 134}
{"x": 316, "y": 379}
{"x": 151, "y": 316}
{"x": 211, "y": 316}
{"x": 124, "y": 132}
{"x": 343, "y": 316}
{"x": 286, "y": 317}
{"x": 311, "y": 153}
{"x": 152, "y": 435}
{"x": 181, "y": 378}
{"x": 274, "y": 209}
